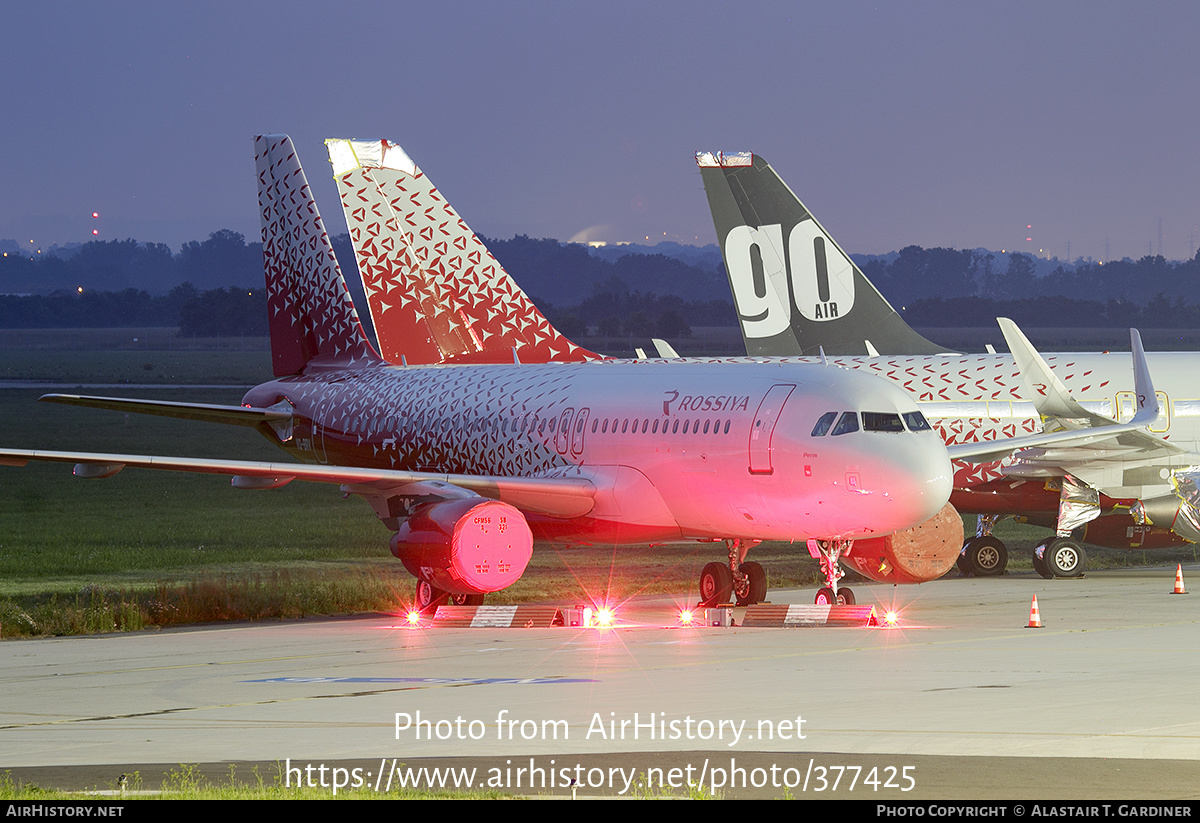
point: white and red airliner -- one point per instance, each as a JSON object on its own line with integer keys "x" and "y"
{"x": 468, "y": 464}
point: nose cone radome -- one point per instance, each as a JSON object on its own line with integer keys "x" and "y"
{"x": 917, "y": 477}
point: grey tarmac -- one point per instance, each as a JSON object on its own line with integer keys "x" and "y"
{"x": 1099, "y": 703}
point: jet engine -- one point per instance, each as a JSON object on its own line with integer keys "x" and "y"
{"x": 1170, "y": 511}
{"x": 917, "y": 554}
{"x": 465, "y": 546}
{"x": 1122, "y": 531}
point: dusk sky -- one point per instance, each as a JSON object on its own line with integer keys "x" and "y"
{"x": 928, "y": 123}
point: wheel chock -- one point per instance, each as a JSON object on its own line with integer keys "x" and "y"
{"x": 497, "y": 617}
{"x": 809, "y": 616}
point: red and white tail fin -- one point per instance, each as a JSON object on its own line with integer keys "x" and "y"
{"x": 436, "y": 294}
{"x": 312, "y": 317}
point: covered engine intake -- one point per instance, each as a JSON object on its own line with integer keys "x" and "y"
{"x": 465, "y": 546}
{"x": 921, "y": 553}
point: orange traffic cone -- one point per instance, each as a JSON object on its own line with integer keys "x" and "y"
{"x": 1035, "y": 619}
{"x": 1179, "y": 589}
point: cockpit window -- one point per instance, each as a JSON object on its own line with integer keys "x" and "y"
{"x": 916, "y": 422}
{"x": 882, "y": 422}
{"x": 847, "y": 424}
{"x": 822, "y": 427}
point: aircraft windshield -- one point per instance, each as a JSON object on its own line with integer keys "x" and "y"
{"x": 847, "y": 424}
{"x": 916, "y": 422}
{"x": 822, "y": 427}
{"x": 882, "y": 422}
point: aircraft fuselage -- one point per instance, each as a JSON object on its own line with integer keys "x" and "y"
{"x": 678, "y": 450}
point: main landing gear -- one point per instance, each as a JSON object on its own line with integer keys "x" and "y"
{"x": 429, "y": 597}
{"x": 829, "y": 552}
{"x": 986, "y": 556}
{"x": 1059, "y": 557}
{"x": 721, "y": 582}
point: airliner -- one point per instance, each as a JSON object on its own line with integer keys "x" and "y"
{"x": 466, "y": 463}
{"x": 798, "y": 292}
{"x": 400, "y": 223}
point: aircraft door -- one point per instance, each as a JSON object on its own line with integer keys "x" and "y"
{"x": 562, "y": 437}
{"x": 763, "y": 428}
{"x": 580, "y": 429}
{"x": 320, "y": 416}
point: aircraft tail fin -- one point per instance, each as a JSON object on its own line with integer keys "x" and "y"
{"x": 436, "y": 294}
{"x": 312, "y": 317}
{"x": 794, "y": 287}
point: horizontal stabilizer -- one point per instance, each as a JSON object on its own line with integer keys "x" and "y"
{"x": 207, "y": 412}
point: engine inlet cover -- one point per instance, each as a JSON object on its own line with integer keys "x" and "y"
{"x": 465, "y": 546}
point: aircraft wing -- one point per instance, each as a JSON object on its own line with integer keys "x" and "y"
{"x": 554, "y": 496}
{"x": 1074, "y": 439}
{"x": 1115, "y": 440}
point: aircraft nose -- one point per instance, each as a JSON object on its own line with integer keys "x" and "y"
{"x": 917, "y": 478}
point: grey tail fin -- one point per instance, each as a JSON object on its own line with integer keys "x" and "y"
{"x": 795, "y": 289}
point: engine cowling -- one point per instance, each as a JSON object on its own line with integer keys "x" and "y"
{"x": 915, "y": 555}
{"x": 1170, "y": 512}
{"x": 1121, "y": 531}
{"x": 466, "y": 546}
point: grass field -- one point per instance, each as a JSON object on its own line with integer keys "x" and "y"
{"x": 150, "y": 548}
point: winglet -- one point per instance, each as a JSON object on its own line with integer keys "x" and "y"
{"x": 1143, "y": 386}
{"x": 1050, "y": 395}
{"x": 665, "y": 350}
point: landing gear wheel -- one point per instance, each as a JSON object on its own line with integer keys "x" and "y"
{"x": 1039, "y": 565}
{"x": 466, "y": 599}
{"x": 716, "y": 584}
{"x": 1064, "y": 557}
{"x": 825, "y": 597}
{"x": 429, "y": 597}
{"x": 756, "y": 576}
{"x": 845, "y": 597}
{"x": 985, "y": 556}
{"x": 964, "y": 567}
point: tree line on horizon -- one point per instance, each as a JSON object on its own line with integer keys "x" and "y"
{"x": 204, "y": 288}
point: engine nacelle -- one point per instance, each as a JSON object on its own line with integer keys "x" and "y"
{"x": 1121, "y": 531}
{"x": 466, "y": 546}
{"x": 1168, "y": 512}
{"x": 921, "y": 553}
